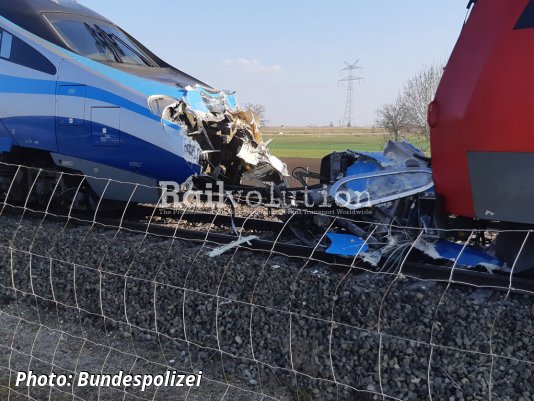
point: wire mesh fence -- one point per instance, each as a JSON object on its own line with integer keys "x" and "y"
{"x": 79, "y": 297}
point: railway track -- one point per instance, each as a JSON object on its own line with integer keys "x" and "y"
{"x": 271, "y": 239}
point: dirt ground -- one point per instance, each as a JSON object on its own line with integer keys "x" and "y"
{"x": 313, "y": 165}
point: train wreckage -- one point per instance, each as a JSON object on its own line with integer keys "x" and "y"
{"x": 96, "y": 117}
{"x": 232, "y": 145}
{"x": 369, "y": 205}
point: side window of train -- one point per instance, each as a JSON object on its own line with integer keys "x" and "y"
{"x": 17, "y": 51}
{"x": 6, "y": 43}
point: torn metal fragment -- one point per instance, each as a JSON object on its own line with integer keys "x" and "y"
{"x": 346, "y": 245}
{"x": 229, "y": 137}
{"x": 234, "y": 244}
{"x": 462, "y": 255}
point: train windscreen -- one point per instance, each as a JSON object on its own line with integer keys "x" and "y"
{"x": 99, "y": 41}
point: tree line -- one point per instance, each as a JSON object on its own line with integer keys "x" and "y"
{"x": 407, "y": 114}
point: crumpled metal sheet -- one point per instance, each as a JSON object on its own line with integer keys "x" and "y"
{"x": 377, "y": 178}
{"x": 229, "y": 136}
{"x": 463, "y": 255}
{"x": 395, "y": 154}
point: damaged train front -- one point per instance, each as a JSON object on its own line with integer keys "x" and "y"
{"x": 232, "y": 149}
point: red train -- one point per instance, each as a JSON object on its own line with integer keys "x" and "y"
{"x": 482, "y": 119}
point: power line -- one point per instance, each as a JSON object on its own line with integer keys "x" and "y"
{"x": 350, "y": 78}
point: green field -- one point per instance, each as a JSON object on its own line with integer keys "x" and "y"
{"x": 317, "y": 142}
{"x": 314, "y": 146}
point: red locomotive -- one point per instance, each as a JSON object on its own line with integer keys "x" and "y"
{"x": 482, "y": 119}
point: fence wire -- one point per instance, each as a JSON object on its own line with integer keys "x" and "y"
{"x": 78, "y": 296}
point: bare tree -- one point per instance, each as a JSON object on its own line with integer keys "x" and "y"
{"x": 417, "y": 94}
{"x": 408, "y": 113}
{"x": 393, "y": 118}
{"x": 259, "y": 109}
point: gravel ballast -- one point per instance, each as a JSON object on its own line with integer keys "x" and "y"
{"x": 259, "y": 326}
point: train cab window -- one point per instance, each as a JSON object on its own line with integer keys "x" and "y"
{"x": 19, "y": 52}
{"x": 99, "y": 41}
{"x": 6, "y": 43}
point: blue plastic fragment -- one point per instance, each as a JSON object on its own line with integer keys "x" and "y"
{"x": 346, "y": 245}
{"x": 202, "y": 100}
{"x": 365, "y": 166}
{"x": 195, "y": 101}
{"x": 231, "y": 101}
{"x": 378, "y": 157}
{"x": 469, "y": 257}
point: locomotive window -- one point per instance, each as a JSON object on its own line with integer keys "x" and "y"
{"x": 78, "y": 38}
{"x": 6, "y": 43}
{"x": 100, "y": 41}
{"x": 19, "y": 52}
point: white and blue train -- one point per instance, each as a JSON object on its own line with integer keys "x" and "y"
{"x": 79, "y": 94}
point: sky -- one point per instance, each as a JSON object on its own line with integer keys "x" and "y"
{"x": 287, "y": 54}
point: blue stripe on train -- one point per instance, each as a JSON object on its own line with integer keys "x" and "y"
{"x": 133, "y": 155}
{"x": 5, "y": 143}
{"x": 11, "y": 84}
{"x": 32, "y": 132}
